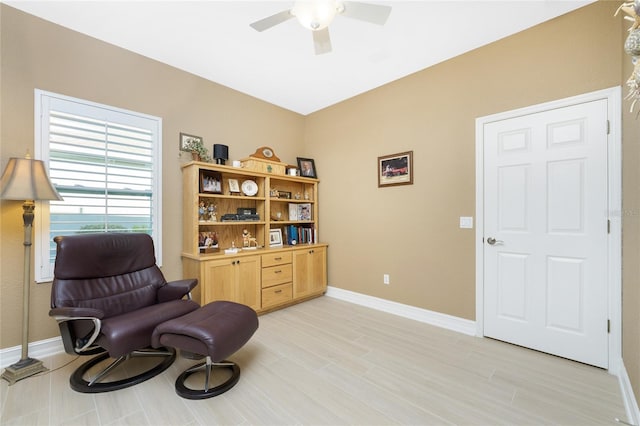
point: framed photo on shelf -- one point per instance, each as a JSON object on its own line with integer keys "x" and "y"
{"x": 304, "y": 211}
{"x": 284, "y": 195}
{"x": 275, "y": 238}
{"x": 307, "y": 167}
{"x": 293, "y": 211}
{"x": 395, "y": 169}
{"x": 210, "y": 182}
{"x": 208, "y": 242}
{"x": 234, "y": 186}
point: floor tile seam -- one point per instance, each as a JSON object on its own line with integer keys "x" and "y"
{"x": 382, "y": 389}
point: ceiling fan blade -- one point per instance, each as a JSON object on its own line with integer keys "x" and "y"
{"x": 322, "y": 41}
{"x": 373, "y": 13}
{"x": 271, "y": 21}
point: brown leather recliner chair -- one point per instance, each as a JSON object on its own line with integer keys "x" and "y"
{"x": 108, "y": 295}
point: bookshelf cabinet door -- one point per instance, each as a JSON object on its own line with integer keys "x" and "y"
{"x": 248, "y": 281}
{"x": 309, "y": 271}
{"x": 219, "y": 281}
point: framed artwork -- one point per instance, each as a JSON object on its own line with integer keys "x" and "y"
{"x": 307, "y": 167}
{"x": 234, "y": 186}
{"x": 395, "y": 169}
{"x": 304, "y": 211}
{"x": 275, "y": 238}
{"x": 210, "y": 182}
{"x": 284, "y": 194}
{"x": 187, "y": 142}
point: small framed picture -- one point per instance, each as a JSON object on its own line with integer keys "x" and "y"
{"x": 284, "y": 194}
{"x": 210, "y": 182}
{"x": 275, "y": 238}
{"x": 234, "y": 186}
{"x": 188, "y": 141}
{"x": 395, "y": 169}
{"x": 304, "y": 211}
{"x": 307, "y": 167}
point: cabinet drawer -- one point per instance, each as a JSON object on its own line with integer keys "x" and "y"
{"x": 276, "y": 275}
{"x": 276, "y": 295}
{"x": 276, "y": 259}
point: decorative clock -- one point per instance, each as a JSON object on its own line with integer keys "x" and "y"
{"x": 265, "y": 153}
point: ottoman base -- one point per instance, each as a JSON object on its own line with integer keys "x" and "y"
{"x": 215, "y": 331}
{"x": 209, "y": 368}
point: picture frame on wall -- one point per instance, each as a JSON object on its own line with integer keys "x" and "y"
{"x": 210, "y": 182}
{"x": 275, "y": 238}
{"x": 395, "y": 169}
{"x": 307, "y": 167}
{"x": 187, "y": 141}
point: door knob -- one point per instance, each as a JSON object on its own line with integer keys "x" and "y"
{"x": 492, "y": 241}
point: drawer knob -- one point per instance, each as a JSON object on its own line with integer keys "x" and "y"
{"x": 278, "y": 258}
{"x": 278, "y": 272}
{"x": 278, "y": 291}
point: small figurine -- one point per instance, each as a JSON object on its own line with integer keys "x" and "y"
{"x": 248, "y": 241}
{"x": 212, "y": 212}
{"x": 201, "y": 211}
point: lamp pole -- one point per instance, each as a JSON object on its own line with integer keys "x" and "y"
{"x": 26, "y": 366}
{"x": 27, "y": 180}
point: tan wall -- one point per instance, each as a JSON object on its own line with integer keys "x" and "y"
{"x": 409, "y": 232}
{"x": 412, "y": 232}
{"x": 630, "y": 233}
{"x": 38, "y": 54}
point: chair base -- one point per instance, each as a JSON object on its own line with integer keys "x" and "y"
{"x": 94, "y": 385}
{"x": 206, "y": 392}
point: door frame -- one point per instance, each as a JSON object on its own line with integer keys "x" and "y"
{"x": 614, "y": 186}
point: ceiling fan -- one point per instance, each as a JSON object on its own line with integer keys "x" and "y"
{"x": 316, "y": 15}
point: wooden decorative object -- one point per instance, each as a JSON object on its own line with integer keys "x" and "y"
{"x": 265, "y": 153}
{"x": 264, "y": 160}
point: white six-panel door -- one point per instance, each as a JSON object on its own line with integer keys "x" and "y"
{"x": 545, "y": 227}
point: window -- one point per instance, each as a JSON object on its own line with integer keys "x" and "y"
{"x": 105, "y": 163}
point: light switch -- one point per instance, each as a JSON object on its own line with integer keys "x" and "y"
{"x": 466, "y": 222}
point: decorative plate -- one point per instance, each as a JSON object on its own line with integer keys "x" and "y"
{"x": 249, "y": 188}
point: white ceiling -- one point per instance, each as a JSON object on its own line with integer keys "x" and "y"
{"x": 212, "y": 39}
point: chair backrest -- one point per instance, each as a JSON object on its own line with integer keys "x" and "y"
{"x": 112, "y": 272}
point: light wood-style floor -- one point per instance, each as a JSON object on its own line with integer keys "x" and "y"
{"x": 330, "y": 362}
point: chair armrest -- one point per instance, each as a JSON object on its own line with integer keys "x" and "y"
{"x": 175, "y": 290}
{"x": 71, "y": 313}
{"x": 72, "y": 343}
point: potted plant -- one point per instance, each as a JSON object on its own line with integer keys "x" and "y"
{"x": 197, "y": 149}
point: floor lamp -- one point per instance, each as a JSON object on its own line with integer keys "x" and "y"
{"x": 26, "y": 179}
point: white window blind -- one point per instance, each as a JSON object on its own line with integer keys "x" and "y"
{"x": 105, "y": 163}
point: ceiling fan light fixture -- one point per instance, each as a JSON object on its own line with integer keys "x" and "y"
{"x": 316, "y": 14}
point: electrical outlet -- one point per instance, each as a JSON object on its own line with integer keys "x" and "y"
{"x": 385, "y": 279}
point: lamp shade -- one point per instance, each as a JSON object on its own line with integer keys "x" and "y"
{"x": 315, "y": 14}
{"x": 26, "y": 179}
{"x": 220, "y": 152}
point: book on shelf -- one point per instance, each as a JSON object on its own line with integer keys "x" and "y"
{"x": 301, "y": 234}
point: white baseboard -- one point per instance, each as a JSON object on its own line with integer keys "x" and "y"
{"x": 629, "y": 398}
{"x": 39, "y": 349}
{"x": 449, "y": 322}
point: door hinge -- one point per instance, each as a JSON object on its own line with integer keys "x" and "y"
{"x": 608, "y": 127}
{"x": 608, "y": 226}
{"x": 608, "y": 326}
